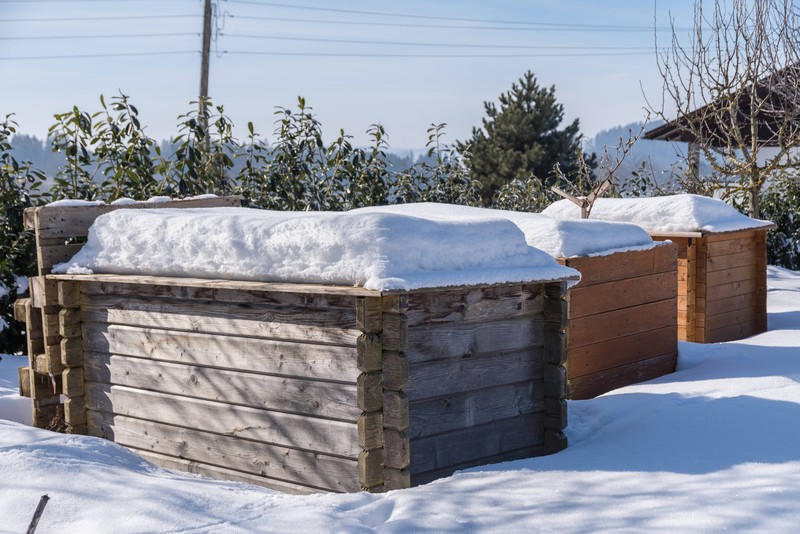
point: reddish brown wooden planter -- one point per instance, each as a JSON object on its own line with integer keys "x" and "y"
{"x": 722, "y": 284}
{"x": 622, "y": 326}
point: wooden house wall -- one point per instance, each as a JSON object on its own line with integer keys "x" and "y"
{"x": 622, "y": 320}
{"x": 722, "y": 286}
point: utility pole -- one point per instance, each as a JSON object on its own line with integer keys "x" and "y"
{"x": 204, "y": 62}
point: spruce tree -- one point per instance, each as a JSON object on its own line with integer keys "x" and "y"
{"x": 521, "y": 138}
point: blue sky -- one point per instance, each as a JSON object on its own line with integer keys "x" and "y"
{"x": 599, "y": 55}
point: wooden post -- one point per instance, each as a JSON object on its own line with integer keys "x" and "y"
{"x": 71, "y": 350}
{"x": 397, "y": 453}
{"x": 555, "y": 374}
{"x": 370, "y": 399}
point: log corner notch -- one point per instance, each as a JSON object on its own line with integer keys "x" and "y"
{"x": 385, "y": 450}
{"x": 60, "y": 232}
{"x": 555, "y": 372}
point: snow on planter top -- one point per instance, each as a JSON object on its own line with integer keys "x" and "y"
{"x": 663, "y": 215}
{"x": 559, "y": 238}
{"x": 381, "y": 251}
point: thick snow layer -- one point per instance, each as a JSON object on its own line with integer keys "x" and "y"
{"x": 710, "y": 448}
{"x": 559, "y": 238}
{"x": 374, "y": 250}
{"x": 675, "y": 213}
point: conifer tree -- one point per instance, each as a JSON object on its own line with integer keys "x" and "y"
{"x": 522, "y": 138}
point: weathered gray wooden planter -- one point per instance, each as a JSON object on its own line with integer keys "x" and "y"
{"x": 305, "y": 387}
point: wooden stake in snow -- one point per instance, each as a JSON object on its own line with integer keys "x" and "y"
{"x": 37, "y": 514}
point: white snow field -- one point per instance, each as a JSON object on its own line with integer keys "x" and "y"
{"x": 675, "y": 213}
{"x": 713, "y": 447}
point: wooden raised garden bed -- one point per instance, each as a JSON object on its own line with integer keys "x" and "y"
{"x": 301, "y": 387}
{"x": 622, "y": 326}
{"x": 722, "y": 284}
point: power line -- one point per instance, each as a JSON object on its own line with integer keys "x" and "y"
{"x": 101, "y": 55}
{"x": 436, "y": 26}
{"x": 445, "y": 45}
{"x": 79, "y": 19}
{"x": 111, "y": 36}
{"x": 434, "y": 56}
{"x": 434, "y": 17}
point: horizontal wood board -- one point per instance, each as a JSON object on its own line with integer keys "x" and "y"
{"x": 616, "y": 322}
{"x": 475, "y": 378}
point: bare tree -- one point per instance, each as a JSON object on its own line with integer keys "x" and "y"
{"x": 736, "y": 91}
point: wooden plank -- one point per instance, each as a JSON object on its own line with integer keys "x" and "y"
{"x": 590, "y": 359}
{"x": 75, "y": 414}
{"x": 476, "y": 304}
{"x": 694, "y": 273}
{"x": 370, "y": 470}
{"x": 446, "y": 414}
{"x": 736, "y": 302}
{"x": 44, "y": 292}
{"x": 482, "y": 442}
{"x": 396, "y": 449}
{"x": 429, "y": 476}
{"x": 396, "y": 478}
{"x": 203, "y": 283}
{"x": 395, "y": 410}
{"x": 439, "y": 378}
{"x": 283, "y": 463}
{"x": 72, "y": 352}
{"x": 24, "y": 375}
{"x": 731, "y": 289}
{"x": 326, "y": 362}
{"x": 55, "y": 254}
{"x": 70, "y": 221}
{"x": 622, "y": 265}
{"x": 730, "y": 261}
{"x": 589, "y": 386}
{"x": 69, "y": 294}
{"x": 620, "y": 294}
{"x": 468, "y": 339}
{"x": 369, "y": 314}
{"x": 370, "y": 392}
{"x": 209, "y": 292}
{"x": 19, "y": 309}
{"x": 73, "y": 382}
{"x": 735, "y": 316}
{"x": 370, "y": 430}
{"x": 749, "y": 233}
{"x": 298, "y": 431}
{"x": 731, "y": 332}
{"x": 732, "y": 245}
{"x": 322, "y": 399}
{"x": 221, "y": 473}
{"x": 332, "y": 327}
{"x": 395, "y": 370}
{"x": 619, "y": 323}
{"x": 730, "y": 275}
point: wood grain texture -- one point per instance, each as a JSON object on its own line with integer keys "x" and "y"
{"x": 441, "y": 378}
{"x": 622, "y": 265}
{"x": 446, "y": 414}
{"x": 589, "y": 386}
{"x": 222, "y": 473}
{"x": 326, "y": 362}
{"x": 605, "y": 355}
{"x": 620, "y": 294}
{"x": 620, "y": 323}
{"x": 467, "y": 339}
{"x": 206, "y": 284}
{"x": 271, "y": 461}
{"x": 482, "y": 442}
{"x": 322, "y": 399}
{"x": 288, "y": 430}
{"x": 332, "y": 327}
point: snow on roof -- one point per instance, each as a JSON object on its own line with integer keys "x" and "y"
{"x": 675, "y": 213}
{"x": 559, "y": 238}
{"x": 381, "y": 251}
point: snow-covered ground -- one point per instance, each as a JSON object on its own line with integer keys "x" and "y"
{"x": 713, "y": 447}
